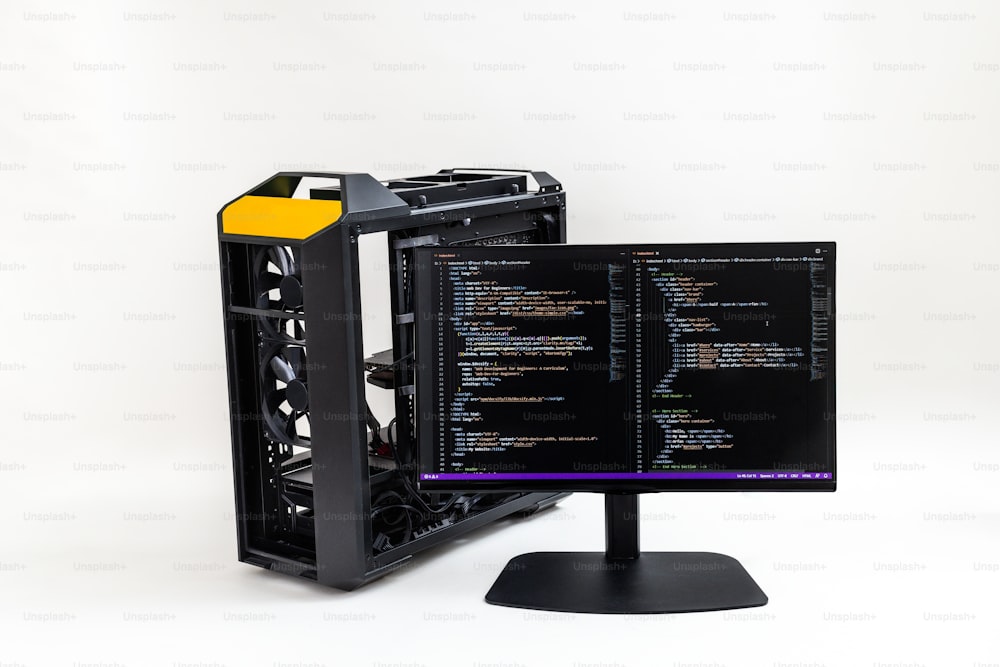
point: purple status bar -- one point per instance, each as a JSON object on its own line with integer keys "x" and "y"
{"x": 785, "y": 475}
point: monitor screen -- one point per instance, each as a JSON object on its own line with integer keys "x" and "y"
{"x": 626, "y": 367}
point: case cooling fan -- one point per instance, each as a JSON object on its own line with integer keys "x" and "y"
{"x": 283, "y": 375}
{"x": 279, "y": 290}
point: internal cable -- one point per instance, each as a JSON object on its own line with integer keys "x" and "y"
{"x": 408, "y": 483}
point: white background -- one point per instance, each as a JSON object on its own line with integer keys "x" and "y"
{"x": 126, "y": 126}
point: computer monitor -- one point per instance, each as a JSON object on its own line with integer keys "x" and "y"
{"x": 626, "y": 369}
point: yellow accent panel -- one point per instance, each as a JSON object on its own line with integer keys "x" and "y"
{"x": 279, "y": 217}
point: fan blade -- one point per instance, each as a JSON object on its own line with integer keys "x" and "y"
{"x": 279, "y": 426}
{"x": 282, "y": 369}
{"x": 290, "y": 429}
{"x": 297, "y": 357}
{"x": 274, "y": 420}
{"x": 274, "y": 399}
{"x": 281, "y": 258}
{"x": 298, "y": 330}
{"x": 269, "y": 281}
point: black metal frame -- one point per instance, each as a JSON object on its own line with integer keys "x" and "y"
{"x": 322, "y": 528}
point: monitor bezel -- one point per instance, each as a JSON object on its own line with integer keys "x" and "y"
{"x": 425, "y": 383}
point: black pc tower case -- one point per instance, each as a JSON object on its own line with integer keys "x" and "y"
{"x": 323, "y": 491}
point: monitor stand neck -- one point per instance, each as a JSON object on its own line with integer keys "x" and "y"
{"x": 621, "y": 516}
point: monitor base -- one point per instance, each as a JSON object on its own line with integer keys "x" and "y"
{"x": 653, "y": 583}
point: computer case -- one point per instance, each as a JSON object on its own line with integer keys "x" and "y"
{"x": 309, "y": 459}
